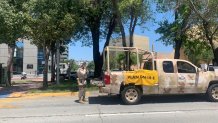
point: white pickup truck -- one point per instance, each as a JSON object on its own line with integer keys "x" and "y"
{"x": 150, "y": 76}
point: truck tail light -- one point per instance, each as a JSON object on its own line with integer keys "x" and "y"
{"x": 107, "y": 79}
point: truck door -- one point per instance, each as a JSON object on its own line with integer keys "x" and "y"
{"x": 186, "y": 77}
{"x": 167, "y": 78}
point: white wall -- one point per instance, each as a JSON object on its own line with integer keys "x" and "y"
{"x": 29, "y": 57}
{"x": 4, "y": 54}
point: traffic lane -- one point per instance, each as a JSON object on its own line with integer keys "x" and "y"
{"x": 110, "y": 109}
{"x": 206, "y": 116}
{"x": 154, "y": 104}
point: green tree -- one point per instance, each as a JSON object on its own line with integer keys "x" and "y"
{"x": 74, "y": 66}
{"x": 130, "y": 13}
{"x": 11, "y": 29}
{"x": 198, "y": 52}
{"x": 48, "y": 23}
{"x": 174, "y": 33}
{"x": 91, "y": 65}
{"x": 97, "y": 21}
{"x": 120, "y": 59}
{"x": 134, "y": 13}
{"x": 207, "y": 21}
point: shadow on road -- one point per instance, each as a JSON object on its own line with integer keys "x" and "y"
{"x": 116, "y": 100}
{"x": 105, "y": 100}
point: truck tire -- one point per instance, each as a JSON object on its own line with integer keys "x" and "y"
{"x": 131, "y": 95}
{"x": 212, "y": 93}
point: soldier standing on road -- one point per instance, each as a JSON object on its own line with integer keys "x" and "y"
{"x": 81, "y": 80}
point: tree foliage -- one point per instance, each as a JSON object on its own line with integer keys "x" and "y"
{"x": 97, "y": 21}
{"x": 198, "y": 52}
{"x": 174, "y": 33}
{"x": 48, "y": 23}
{"x": 207, "y": 22}
{"x": 91, "y": 65}
{"x": 131, "y": 13}
{"x": 12, "y": 21}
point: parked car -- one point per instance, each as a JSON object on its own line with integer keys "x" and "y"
{"x": 73, "y": 75}
{"x": 90, "y": 74}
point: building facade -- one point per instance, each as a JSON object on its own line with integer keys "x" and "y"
{"x": 28, "y": 58}
{"x": 65, "y": 55}
{"x": 141, "y": 42}
{"x": 4, "y": 54}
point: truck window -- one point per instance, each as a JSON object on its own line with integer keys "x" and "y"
{"x": 148, "y": 65}
{"x": 168, "y": 67}
{"x": 184, "y": 67}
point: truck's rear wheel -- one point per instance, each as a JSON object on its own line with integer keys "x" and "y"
{"x": 212, "y": 93}
{"x": 131, "y": 95}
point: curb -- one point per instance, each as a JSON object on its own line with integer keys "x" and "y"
{"x": 5, "y": 103}
{"x": 38, "y": 95}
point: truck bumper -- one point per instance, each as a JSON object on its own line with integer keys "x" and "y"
{"x": 104, "y": 90}
{"x": 102, "y": 87}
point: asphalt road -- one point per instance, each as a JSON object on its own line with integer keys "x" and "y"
{"x": 104, "y": 109}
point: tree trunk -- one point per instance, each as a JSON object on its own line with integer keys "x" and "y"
{"x": 133, "y": 22}
{"x": 58, "y": 63}
{"x": 178, "y": 41}
{"x": 210, "y": 40}
{"x": 96, "y": 55}
{"x": 45, "y": 71}
{"x": 178, "y": 45}
{"x": 52, "y": 67}
{"x": 215, "y": 62}
{"x": 95, "y": 30}
{"x": 215, "y": 52}
{"x": 116, "y": 10}
{"x": 111, "y": 28}
{"x": 10, "y": 63}
{"x": 122, "y": 30}
{"x": 131, "y": 32}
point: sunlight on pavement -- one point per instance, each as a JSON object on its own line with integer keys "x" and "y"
{"x": 8, "y": 106}
{"x": 18, "y": 96}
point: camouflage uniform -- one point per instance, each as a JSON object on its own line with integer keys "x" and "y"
{"x": 81, "y": 80}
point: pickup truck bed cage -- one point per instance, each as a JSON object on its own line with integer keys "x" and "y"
{"x": 147, "y": 55}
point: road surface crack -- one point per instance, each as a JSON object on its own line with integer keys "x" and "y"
{"x": 99, "y": 110}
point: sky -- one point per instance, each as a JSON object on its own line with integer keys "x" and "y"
{"x": 77, "y": 52}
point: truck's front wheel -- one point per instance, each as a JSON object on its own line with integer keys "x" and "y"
{"x": 131, "y": 95}
{"x": 212, "y": 93}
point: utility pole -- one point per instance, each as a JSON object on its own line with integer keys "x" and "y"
{"x": 57, "y": 63}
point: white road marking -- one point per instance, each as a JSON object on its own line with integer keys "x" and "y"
{"x": 132, "y": 113}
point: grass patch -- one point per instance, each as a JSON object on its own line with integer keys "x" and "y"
{"x": 65, "y": 86}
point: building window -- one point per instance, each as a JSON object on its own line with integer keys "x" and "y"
{"x": 168, "y": 67}
{"x": 29, "y": 66}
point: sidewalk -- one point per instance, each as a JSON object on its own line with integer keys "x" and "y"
{"x": 31, "y": 77}
{"x": 20, "y": 86}
{"x": 20, "y": 89}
